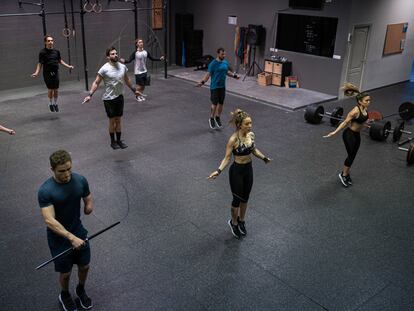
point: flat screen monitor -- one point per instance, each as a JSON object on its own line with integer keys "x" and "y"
{"x": 306, "y": 34}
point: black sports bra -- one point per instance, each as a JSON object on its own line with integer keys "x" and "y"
{"x": 361, "y": 118}
{"x": 242, "y": 149}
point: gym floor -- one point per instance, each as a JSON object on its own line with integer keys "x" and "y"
{"x": 311, "y": 244}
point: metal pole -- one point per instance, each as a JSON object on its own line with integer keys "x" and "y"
{"x": 85, "y": 63}
{"x": 165, "y": 37}
{"x": 42, "y": 13}
{"x": 136, "y": 18}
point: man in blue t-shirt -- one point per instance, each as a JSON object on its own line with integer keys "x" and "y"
{"x": 60, "y": 202}
{"x": 218, "y": 69}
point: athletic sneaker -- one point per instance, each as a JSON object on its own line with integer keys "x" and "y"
{"x": 67, "y": 302}
{"x": 115, "y": 145}
{"x": 212, "y": 123}
{"x": 143, "y": 98}
{"x": 84, "y": 300}
{"x": 242, "y": 226}
{"x": 52, "y": 108}
{"x": 56, "y": 107}
{"x": 138, "y": 98}
{"x": 121, "y": 144}
{"x": 349, "y": 180}
{"x": 343, "y": 180}
{"x": 218, "y": 122}
{"x": 234, "y": 229}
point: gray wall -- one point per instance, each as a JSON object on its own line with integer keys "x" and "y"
{"x": 384, "y": 70}
{"x": 22, "y": 38}
{"x": 316, "y": 73}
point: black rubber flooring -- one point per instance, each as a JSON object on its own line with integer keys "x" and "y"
{"x": 311, "y": 244}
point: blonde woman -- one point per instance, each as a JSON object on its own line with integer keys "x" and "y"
{"x": 242, "y": 145}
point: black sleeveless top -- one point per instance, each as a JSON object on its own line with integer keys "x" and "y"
{"x": 361, "y": 118}
{"x": 242, "y": 149}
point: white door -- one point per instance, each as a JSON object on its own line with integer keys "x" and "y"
{"x": 357, "y": 57}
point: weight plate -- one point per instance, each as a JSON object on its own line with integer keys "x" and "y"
{"x": 336, "y": 115}
{"x": 410, "y": 155}
{"x": 406, "y": 111}
{"x": 396, "y": 135}
{"x": 313, "y": 114}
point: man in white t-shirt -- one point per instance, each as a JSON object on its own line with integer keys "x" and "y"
{"x": 140, "y": 68}
{"x": 114, "y": 75}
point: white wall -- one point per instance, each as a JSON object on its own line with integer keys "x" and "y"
{"x": 384, "y": 70}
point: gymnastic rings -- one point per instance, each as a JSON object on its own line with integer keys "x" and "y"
{"x": 88, "y": 6}
{"x": 66, "y": 32}
{"x": 97, "y": 7}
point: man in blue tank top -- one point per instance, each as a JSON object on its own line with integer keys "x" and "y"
{"x": 218, "y": 69}
{"x": 60, "y": 202}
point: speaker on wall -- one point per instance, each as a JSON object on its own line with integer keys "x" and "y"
{"x": 256, "y": 35}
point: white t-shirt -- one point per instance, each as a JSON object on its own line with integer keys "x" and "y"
{"x": 113, "y": 77}
{"x": 140, "y": 62}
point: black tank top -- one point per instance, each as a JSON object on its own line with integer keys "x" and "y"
{"x": 242, "y": 149}
{"x": 361, "y": 118}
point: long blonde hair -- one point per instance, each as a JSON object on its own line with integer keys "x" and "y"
{"x": 351, "y": 90}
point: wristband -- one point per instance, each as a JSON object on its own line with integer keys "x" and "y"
{"x": 202, "y": 82}
{"x": 219, "y": 171}
{"x": 90, "y": 94}
{"x": 234, "y": 75}
{"x": 266, "y": 160}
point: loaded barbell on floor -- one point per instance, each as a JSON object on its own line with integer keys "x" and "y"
{"x": 314, "y": 114}
{"x": 410, "y": 153}
{"x": 381, "y": 129}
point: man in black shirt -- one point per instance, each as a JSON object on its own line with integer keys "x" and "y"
{"x": 50, "y": 59}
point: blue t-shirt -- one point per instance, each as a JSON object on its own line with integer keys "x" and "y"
{"x": 218, "y": 71}
{"x": 66, "y": 200}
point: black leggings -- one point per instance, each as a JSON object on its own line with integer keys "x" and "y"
{"x": 352, "y": 140}
{"x": 241, "y": 182}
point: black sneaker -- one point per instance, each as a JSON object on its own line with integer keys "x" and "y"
{"x": 56, "y": 107}
{"x": 343, "y": 180}
{"x": 212, "y": 123}
{"x": 242, "y": 227}
{"x": 67, "y": 302}
{"x": 349, "y": 180}
{"x": 121, "y": 144}
{"x": 84, "y": 300}
{"x": 115, "y": 145}
{"x": 52, "y": 108}
{"x": 234, "y": 229}
{"x": 218, "y": 122}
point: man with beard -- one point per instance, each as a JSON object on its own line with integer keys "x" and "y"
{"x": 50, "y": 59}
{"x": 218, "y": 69}
{"x": 114, "y": 75}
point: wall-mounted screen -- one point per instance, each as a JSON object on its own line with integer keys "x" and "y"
{"x": 306, "y": 34}
{"x": 306, "y": 4}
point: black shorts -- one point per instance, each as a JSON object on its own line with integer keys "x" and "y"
{"x": 51, "y": 79}
{"x": 64, "y": 264}
{"x": 217, "y": 96}
{"x": 114, "y": 107}
{"x": 141, "y": 79}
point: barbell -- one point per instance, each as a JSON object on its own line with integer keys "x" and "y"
{"x": 410, "y": 153}
{"x": 381, "y": 129}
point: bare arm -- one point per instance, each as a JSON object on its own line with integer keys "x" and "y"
{"x": 48, "y": 214}
{"x": 94, "y": 87}
{"x": 226, "y": 159}
{"x": 129, "y": 83}
{"x": 36, "y": 73}
{"x": 88, "y": 201}
{"x": 257, "y": 153}
{"x": 7, "y": 130}
{"x": 204, "y": 80}
{"x": 66, "y": 65}
{"x": 232, "y": 74}
{"x": 351, "y": 115}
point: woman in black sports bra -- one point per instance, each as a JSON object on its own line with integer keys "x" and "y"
{"x": 241, "y": 144}
{"x": 354, "y": 123}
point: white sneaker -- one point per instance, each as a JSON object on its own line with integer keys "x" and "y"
{"x": 138, "y": 98}
{"x": 143, "y": 98}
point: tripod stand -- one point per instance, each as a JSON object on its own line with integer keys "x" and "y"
{"x": 254, "y": 63}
